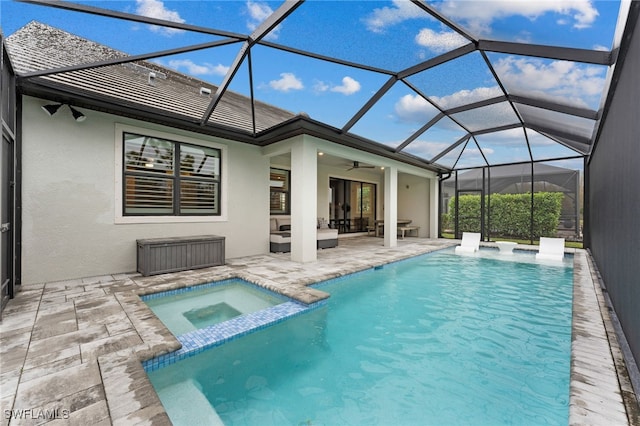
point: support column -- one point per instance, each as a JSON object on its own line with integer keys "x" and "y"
{"x": 304, "y": 199}
{"x": 390, "y": 206}
{"x": 434, "y": 207}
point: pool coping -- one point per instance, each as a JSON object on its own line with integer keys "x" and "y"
{"x": 598, "y": 389}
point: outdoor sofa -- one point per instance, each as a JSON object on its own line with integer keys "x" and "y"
{"x": 280, "y": 235}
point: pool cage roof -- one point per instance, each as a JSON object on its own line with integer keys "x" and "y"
{"x": 445, "y": 85}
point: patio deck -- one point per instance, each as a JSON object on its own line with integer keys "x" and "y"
{"x": 71, "y": 351}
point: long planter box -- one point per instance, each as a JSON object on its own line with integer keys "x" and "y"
{"x": 162, "y": 255}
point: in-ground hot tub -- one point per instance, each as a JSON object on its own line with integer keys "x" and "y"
{"x": 191, "y": 308}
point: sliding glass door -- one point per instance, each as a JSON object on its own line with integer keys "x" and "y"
{"x": 353, "y": 205}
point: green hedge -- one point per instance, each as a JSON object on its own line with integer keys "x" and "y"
{"x": 510, "y": 214}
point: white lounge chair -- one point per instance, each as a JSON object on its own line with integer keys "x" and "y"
{"x": 550, "y": 249}
{"x": 470, "y": 242}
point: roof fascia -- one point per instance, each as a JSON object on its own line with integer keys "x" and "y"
{"x": 550, "y": 52}
{"x": 300, "y": 125}
{"x": 65, "y": 94}
{"x": 296, "y": 126}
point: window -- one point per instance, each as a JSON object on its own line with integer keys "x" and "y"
{"x": 164, "y": 177}
{"x": 280, "y": 192}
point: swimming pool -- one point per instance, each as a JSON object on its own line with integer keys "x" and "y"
{"x": 440, "y": 339}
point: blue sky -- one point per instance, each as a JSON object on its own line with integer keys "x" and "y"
{"x": 391, "y": 35}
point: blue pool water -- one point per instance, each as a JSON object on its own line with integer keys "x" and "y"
{"x": 437, "y": 340}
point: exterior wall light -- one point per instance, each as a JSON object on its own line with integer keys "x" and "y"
{"x": 77, "y": 115}
{"x": 53, "y": 108}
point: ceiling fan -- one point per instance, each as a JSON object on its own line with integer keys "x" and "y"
{"x": 357, "y": 165}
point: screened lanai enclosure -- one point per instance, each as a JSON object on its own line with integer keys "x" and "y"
{"x": 435, "y": 84}
{"x": 518, "y": 107}
{"x": 519, "y": 201}
{"x": 429, "y": 83}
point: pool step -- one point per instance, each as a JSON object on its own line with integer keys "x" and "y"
{"x": 194, "y": 406}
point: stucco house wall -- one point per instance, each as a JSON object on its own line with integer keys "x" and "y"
{"x": 413, "y": 202}
{"x": 69, "y": 225}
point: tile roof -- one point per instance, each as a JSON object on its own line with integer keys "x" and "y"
{"x": 38, "y": 46}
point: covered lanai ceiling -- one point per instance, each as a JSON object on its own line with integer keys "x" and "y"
{"x": 449, "y": 84}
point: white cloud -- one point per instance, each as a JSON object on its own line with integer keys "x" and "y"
{"x": 476, "y": 151}
{"x": 156, "y": 9}
{"x": 464, "y": 97}
{"x": 414, "y": 109}
{"x": 426, "y": 148}
{"x": 195, "y": 69}
{"x": 429, "y": 149}
{"x": 479, "y": 15}
{"x": 258, "y": 13}
{"x": 512, "y": 139}
{"x": 287, "y": 82}
{"x": 349, "y": 86}
{"x": 560, "y": 81}
{"x": 387, "y": 16}
{"x": 321, "y": 86}
{"x": 440, "y": 42}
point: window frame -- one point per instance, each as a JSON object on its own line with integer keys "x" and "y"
{"x": 287, "y": 192}
{"x": 175, "y": 216}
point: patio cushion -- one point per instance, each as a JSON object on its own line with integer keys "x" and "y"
{"x": 284, "y": 221}
{"x": 327, "y": 234}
